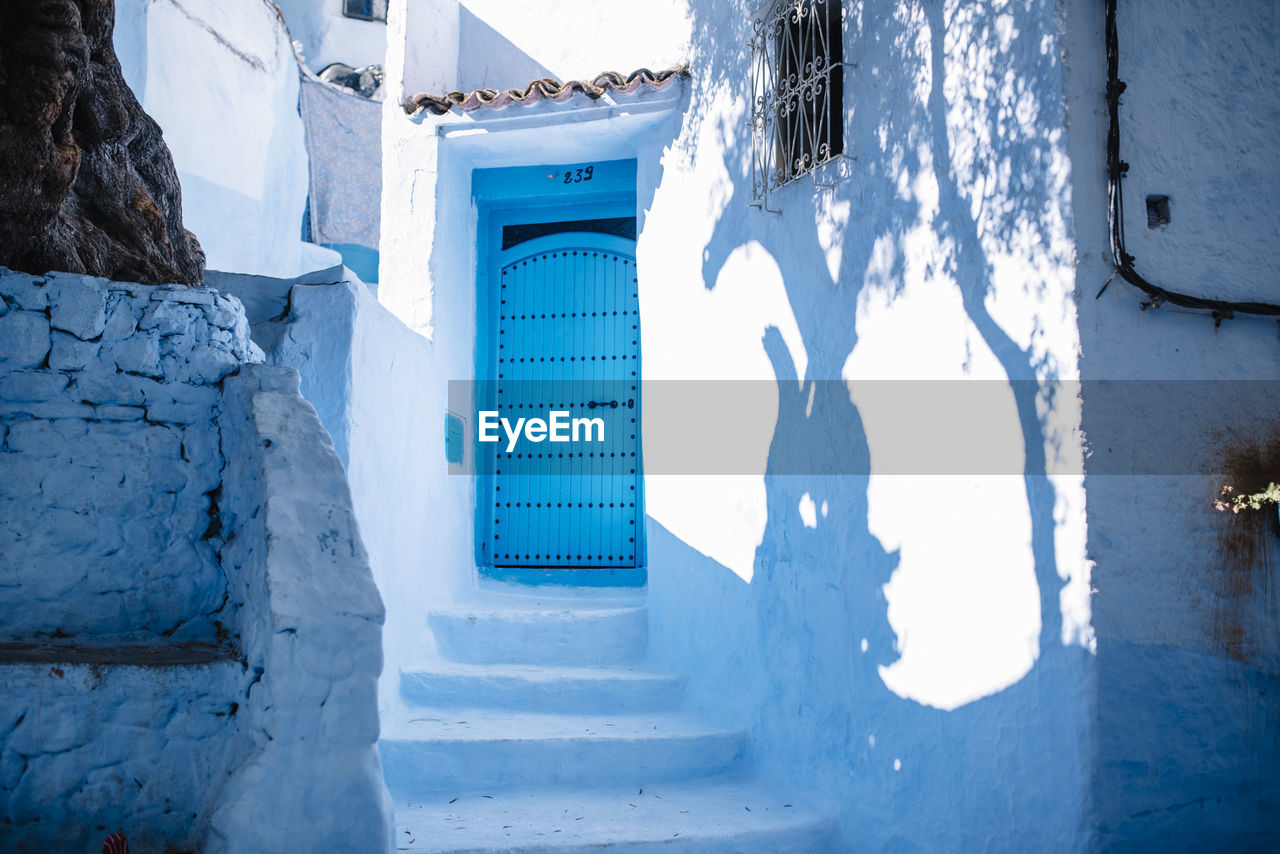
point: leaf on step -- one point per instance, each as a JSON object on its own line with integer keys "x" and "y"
{"x": 748, "y": 809}
{"x": 683, "y": 811}
{"x": 788, "y": 805}
{"x": 490, "y": 797}
{"x": 453, "y": 800}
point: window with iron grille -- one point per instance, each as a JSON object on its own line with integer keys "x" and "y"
{"x": 365, "y": 10}
{"x": 797, "y": 80}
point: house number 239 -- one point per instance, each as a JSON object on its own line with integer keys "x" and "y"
{"x": 577, "y": 176}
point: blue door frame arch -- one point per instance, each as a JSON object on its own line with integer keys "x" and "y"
{"x": 609, "y": 551}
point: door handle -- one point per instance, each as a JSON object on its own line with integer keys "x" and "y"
{"x": 593, "y": 404}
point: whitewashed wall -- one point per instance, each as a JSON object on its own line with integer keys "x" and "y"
{"x": 221, "y": 80}
{"x": 328, "y": 36}
{"x": 923, "y": 651}
{"x": 370, "y": 376}
{"x": 189, "y": 614}
{"x": 118, "y": 693}
{"x": 308, "y": 617}
{"x": 370, "y": 379}
{"x": 899, "y": 633}
{"x": 1188, "y": 635}
{"x": 883, "y": 646}
{"x": 107, "y": 396}
{"x": 89, "y": 746}
{"x": 440, "y": 45}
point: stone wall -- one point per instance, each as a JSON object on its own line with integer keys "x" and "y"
{"x": 88, "y": 748}
{"x": 309, "y": 619}
{"x": 188, "y": 612}
{"x": 120, "y": 692}
{"x": 109, "y": 461}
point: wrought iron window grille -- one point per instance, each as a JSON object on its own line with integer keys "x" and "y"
{"x": 797, "y": 93}
{"x": 365, "y": 10}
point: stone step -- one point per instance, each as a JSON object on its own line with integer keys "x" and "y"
{"x": 711, "y": 815}
{"x": 452, "y": 751}
{"x": 535, "y": 688}
{"x": 573, "y": 635}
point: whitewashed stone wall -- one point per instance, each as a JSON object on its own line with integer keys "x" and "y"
{"x": 109, "y": 460}
{"x": 368, "y": 376}
{"x": 119, "y": 697}
{"x": 188, "y": 614}
{"x": 87, "y": 749}
{"x": 309, "y": 620}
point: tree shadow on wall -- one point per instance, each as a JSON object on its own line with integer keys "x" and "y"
{"x": 1011, "y": 766}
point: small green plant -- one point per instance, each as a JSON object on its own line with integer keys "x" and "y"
{"x": 1228, "y": 500}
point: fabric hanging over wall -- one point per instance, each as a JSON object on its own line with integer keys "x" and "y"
{"x": 344, "y": 147}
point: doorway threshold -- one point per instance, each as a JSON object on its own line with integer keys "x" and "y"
{"x": 627, "y": 577}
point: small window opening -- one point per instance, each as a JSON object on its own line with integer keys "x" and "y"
{"x": 365, "y": 10}
{"x": 1157, "y": 211}
{"x": 798, "y": 91}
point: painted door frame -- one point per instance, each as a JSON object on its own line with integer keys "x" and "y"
{"x": 531, "y": 194}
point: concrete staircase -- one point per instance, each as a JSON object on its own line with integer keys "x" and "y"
{"x": 539, "y": 729}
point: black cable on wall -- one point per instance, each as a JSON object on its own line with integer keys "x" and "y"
{"x": 1116, "y": 169}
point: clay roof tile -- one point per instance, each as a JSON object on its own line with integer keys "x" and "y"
{"x": 546, "y": 88}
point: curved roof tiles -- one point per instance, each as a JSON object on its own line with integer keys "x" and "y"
{"x": 546, "y": 89}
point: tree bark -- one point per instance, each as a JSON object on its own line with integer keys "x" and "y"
{"x": 87, "y": 184}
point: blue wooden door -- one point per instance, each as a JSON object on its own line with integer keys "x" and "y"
{"x": 568, "y": 335}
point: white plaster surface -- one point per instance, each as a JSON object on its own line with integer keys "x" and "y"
{"x": 310, "y": 621}
{"x": 328, "y": 36}
{"x": 933, "y": 657}
{"x": 586, "y": 40}
{"x": 221, "y": 80}
{"x": 371, "y": 381}
{"x": 422, "y": 48}
{"x": 913, "y": 266}
{"x": 1187, "y": 641}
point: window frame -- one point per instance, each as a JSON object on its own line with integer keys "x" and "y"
{"x": 377, "y": 10}
{"x": 797, "y": 97}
